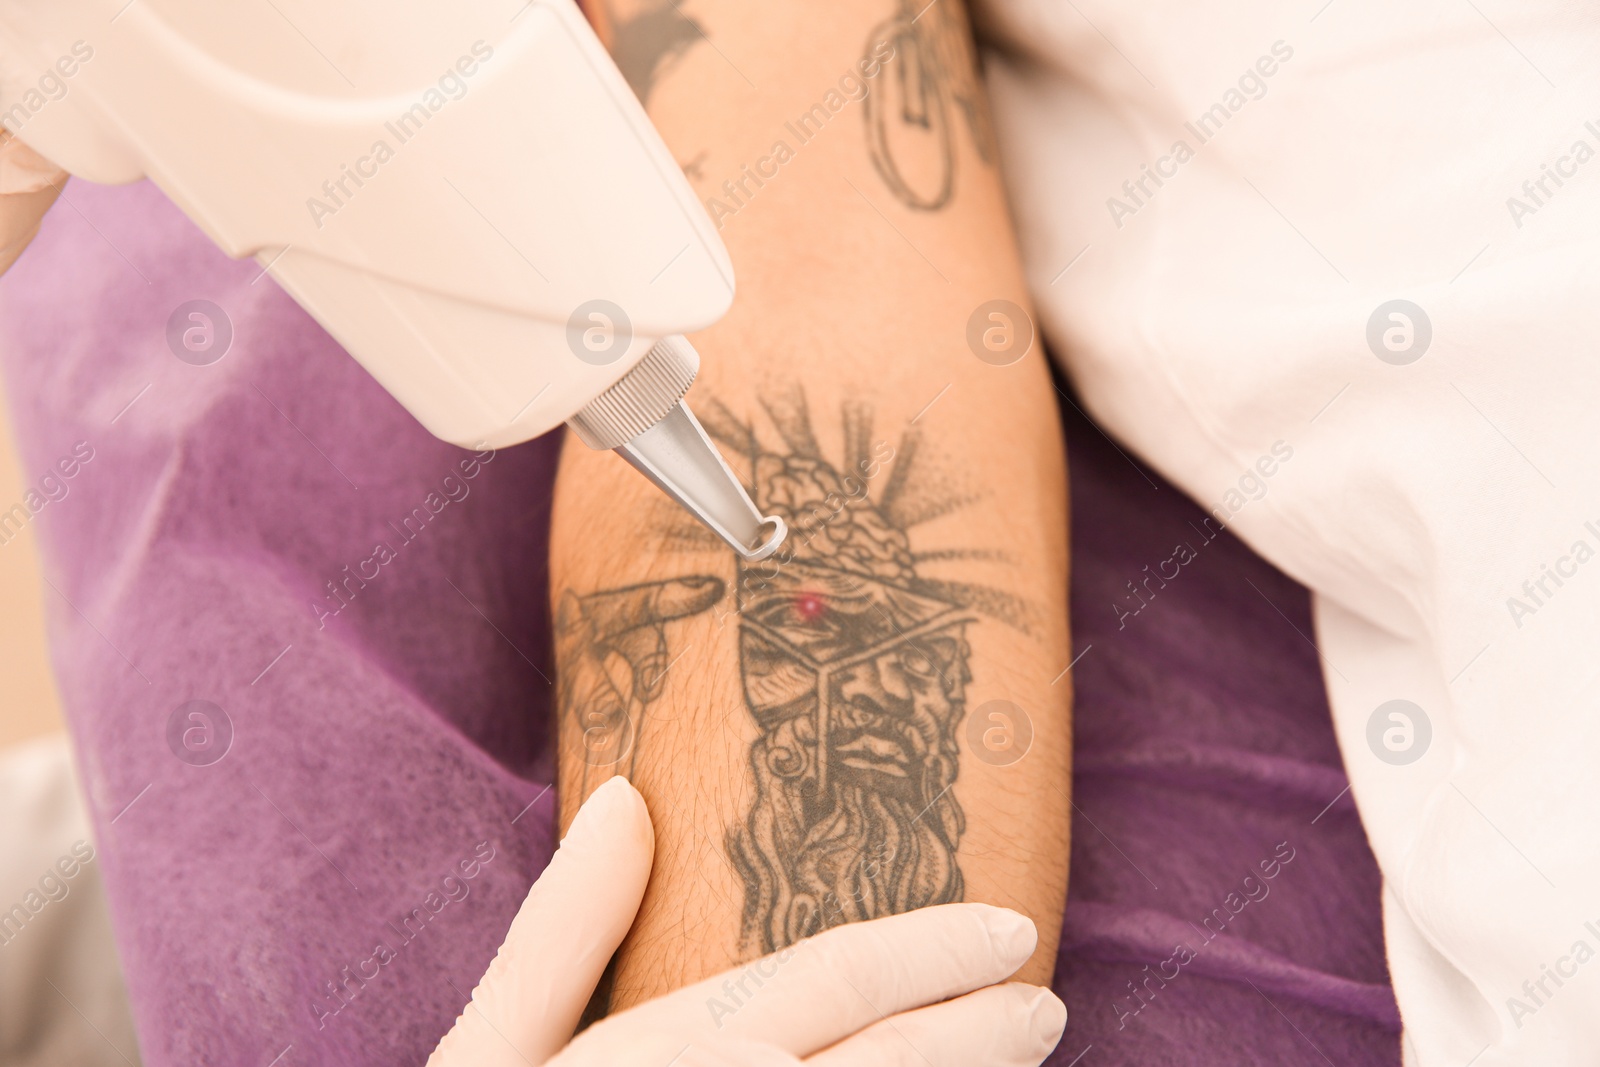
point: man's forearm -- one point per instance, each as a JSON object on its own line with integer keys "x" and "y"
{"x": 876, "y": 719}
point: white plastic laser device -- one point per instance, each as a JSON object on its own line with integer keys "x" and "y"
{"x": 468, "y": 197}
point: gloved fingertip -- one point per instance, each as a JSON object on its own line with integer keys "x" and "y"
{"x": 615, "y": 811}
{"x": 1049, "y": 1017}
{"x": 1013, "y": 934}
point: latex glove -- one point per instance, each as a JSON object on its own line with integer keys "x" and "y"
{"x": 870, "y": 993}
{"x": 29, "y": 184}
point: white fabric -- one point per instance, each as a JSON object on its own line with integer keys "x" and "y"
{"x": 54, "y": 929}
{"x": 1228, "y": 313}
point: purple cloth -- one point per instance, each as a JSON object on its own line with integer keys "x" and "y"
{"x": 306, "y": 898}
{"x": 1203, "y": 749}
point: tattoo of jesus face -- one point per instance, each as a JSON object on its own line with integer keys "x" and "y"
{"x": 855, "y": 670}
{"x": 854, "y": 664}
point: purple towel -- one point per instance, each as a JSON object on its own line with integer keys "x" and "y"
{"x": 304, "y": 652}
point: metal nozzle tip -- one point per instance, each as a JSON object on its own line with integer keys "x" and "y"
{"x": 643, "y": 417}
{"x": 778, "y": 530}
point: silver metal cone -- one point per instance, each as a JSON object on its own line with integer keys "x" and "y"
{"x": 644, "y": 419}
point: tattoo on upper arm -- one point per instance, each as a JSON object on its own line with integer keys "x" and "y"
{"x": 932, "y": 72}
{"x": 854, "y": 667}
{"x": 928, "y": 82}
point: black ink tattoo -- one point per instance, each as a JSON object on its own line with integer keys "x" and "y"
{"x": 854, "y": 668}
{"x": 932, "y": 70}
{"x": 611, "y": 650}
{"x": 647, "y": 43}
{"x": 855, "y": 671}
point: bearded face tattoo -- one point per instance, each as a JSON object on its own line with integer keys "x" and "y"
{"x": 854, "y": 665}
{"x": 855, "y": 671}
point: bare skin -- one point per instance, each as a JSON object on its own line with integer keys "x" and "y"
{"x": 878, "y": 719}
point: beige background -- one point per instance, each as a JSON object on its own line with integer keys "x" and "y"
{"x": 29, "y": 705}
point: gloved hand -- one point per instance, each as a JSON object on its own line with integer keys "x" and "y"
{"x": 29, "y": 184}
{"x": 871, "y": 993}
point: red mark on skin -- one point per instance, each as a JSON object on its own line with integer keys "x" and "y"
{"x": 809, "y": 606}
